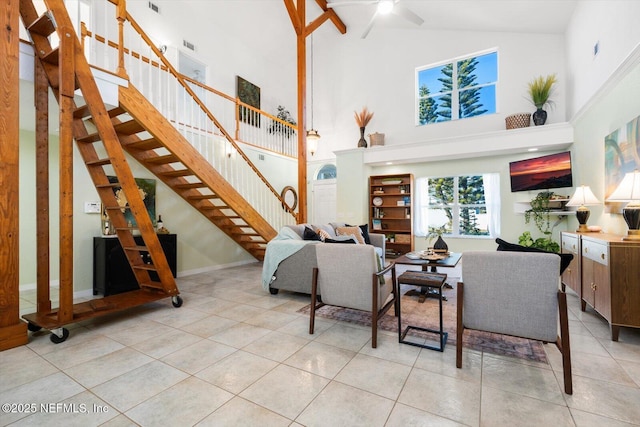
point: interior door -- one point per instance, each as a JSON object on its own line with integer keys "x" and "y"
{"x": 324, "y": 201}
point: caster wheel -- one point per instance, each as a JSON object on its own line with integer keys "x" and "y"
{"x": 176, "y": 301}
{"x": 56, "y": 339}
{"x": 273, "y": 291}
{"x": 33, "y": 328}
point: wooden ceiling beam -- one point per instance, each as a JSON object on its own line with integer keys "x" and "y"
{"x": 293, "y": 15}
{"x": 333, "y": 16}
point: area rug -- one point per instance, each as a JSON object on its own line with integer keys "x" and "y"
{"x": 425, "y": 315}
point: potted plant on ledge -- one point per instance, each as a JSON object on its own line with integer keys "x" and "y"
{"x": 540, "y": 90}
{"x": 539, "y": 213}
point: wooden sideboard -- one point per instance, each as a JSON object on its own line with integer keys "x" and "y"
{"x": 605, "y": 273}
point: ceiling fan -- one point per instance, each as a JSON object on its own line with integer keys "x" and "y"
{"x": 383, "y": 7}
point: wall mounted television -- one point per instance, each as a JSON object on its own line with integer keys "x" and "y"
{"x": 541, "y": 173}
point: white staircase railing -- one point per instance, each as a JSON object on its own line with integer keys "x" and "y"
{"x": 202, "y": 119}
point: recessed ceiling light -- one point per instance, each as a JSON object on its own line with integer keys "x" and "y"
{"x": 532, "y": 149}
{"x": 389, "y": 163}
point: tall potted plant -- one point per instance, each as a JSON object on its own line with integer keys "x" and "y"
{"x": 540, "y": 90}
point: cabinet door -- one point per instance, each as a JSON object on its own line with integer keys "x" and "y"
{"x": 602, "y": 290}
{"x": 588, "y": 293}
{"x": 572, "y": 275}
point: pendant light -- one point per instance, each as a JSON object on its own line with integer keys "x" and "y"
{"x": 312, "y": 135}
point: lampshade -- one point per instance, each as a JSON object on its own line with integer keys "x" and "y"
{"x": 583, "y": 197}
{"x": 312, "y": 140}
{"x": 629, "y": 191}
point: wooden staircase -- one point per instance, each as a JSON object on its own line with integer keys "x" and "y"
{"x": 148, "y": 137}
{"x": 67, "y": 71}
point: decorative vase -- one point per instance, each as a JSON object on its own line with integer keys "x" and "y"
{"x": 440, "y": 245}
{"x": 539, "y": 117}
{"x": 362, "y": 142}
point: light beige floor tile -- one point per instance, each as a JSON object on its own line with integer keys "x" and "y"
{"x": 66, "y": 357}
{"x": 276, "y": 346}
{"x": 21, "y": 365}
{"x": 266, "y": 301}
{"x": 403, "y": 415}
{"x": 587, "y": 344}
{"x": 593, "y": 366}
{"x": 208, "y": 326}
{"x": 82, "y": 410}
{"x": 285, "y": 390}
{"x": 604, "y": 398}
{"x": 390, "y": 349}
{"x": 198, "y": 356}
{"x": 142, "y": 331}
{"x": 320, "y": 359}
{"x": 185, "y": 403}
{"x": 300, "y": 327}
{"x": 240, "y": 335}
{"x": 585, "y": 419}
{"x": 502, "y": 408}
{"x": 50, "y": 389}
{"x": 447, "y": 397}
{"x": 271, "y": 319}
{"x": 523, "y": 379}
{"x": 239, "y": 412}
{"x": 237, "y": 371}
{"x": 375, "y": 375}
{"x": 347, "y": 337}
{"x": 621, "y": 350}
{"x": 134, "y": 387}
{"x": 632, "y": 369}
{"x": 444, "y": 363}
{"x": 211, "y": 305}
{"x": 107, "y": 367}
{"x": 341, "y": 405}
{"x": 240, "y": 312}
{"x": 120, "y": 421}
{"x": 162, "y": 345}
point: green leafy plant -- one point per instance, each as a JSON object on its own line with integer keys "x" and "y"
{"x": 277, "y": 127}
{"x": 539, "y": 214}
{"x": 434, "y": 233}
{"x": 540, "y": 90}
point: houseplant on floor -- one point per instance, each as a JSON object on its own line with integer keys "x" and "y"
{"x": 540, "y": 90}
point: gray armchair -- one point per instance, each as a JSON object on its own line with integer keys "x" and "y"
{"x": 514, "y": 293}
{"x": 348, "y": 276}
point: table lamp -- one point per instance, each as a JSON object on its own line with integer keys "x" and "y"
{"x": 629, "y": 191}
{"x": 583, "y": 197}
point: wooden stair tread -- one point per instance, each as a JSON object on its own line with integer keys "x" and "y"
{"x": 43, "y": 25}
{"x": 203, "y": 197}
{"x": 94, "y": 137}
{"x": 147, "y": 144}
{"x": 130, "y": 127}
{"x": 99, "y": 162}
{"x": 177, "y": 173}
{"x": 160, "y": 160}
{"x": 190, "y": 185}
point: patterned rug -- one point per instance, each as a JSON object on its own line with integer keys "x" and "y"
{"x": 425, "y": 315}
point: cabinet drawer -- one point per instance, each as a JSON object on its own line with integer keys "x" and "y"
{"x": 596, "y": 252}
{"x": 570, "y": 244}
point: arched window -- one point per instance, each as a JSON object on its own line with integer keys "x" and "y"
{"x": 327, "y": 171}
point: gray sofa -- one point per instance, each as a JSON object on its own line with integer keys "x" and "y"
{"x": 294, "y": 273}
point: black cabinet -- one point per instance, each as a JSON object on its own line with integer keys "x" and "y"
{"x": 112, "y": 273}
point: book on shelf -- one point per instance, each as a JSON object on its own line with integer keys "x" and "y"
{"x": 377, "y": 224}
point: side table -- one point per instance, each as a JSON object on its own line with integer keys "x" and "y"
{"x": 426, "y": 280}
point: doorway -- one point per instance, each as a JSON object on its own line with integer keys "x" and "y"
{"x": 324, "y": 195}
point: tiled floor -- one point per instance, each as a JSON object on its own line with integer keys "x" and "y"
{"x": 235, "y": 355}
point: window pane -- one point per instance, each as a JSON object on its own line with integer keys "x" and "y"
{"x": 441, "y": 191}
{"x": 439, "y": 218}
{"x": 478, "y": 70}
{"x": 428, "y": 110}
{"x": 471, "y": 190}
{"x": 431, "y": 80}
{"x": 477, "y": 101}
{"x": 474, "y": 221}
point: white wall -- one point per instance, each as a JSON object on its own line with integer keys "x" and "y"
{"x": 379, "y": 72}
{"x": 612, "y": 24}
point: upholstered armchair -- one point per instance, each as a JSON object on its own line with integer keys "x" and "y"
{"x": 514, "y": 293}
{"x": 349, "y": 276}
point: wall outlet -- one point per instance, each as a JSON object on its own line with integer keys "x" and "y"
{"x": 92, "y": 207}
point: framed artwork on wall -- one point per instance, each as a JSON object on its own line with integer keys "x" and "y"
{"x": 621, "y": 156}
{"x": 249, "y": 94}
{"x": 147, "y": 189}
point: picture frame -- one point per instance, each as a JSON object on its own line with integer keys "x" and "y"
{"x": 621, "y": 148}
{"x": 249, "y": 94}
{"x": 147, "y": 189}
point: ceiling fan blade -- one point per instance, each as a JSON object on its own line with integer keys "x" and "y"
{"x": 407, "y": 14}
{"x": 369, "y": 25}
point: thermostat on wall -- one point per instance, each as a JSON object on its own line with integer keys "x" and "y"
{"x": 91, "y": 207}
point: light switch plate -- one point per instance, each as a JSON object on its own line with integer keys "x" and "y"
{"x": 92, "y": 207}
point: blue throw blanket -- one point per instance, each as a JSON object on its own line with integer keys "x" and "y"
{"x": 285, "y": 244}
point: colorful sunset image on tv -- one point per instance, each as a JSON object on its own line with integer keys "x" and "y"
{"x": 542, "y": 173}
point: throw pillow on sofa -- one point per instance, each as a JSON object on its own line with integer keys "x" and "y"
{"x": 364, "y": 229}
{"x": 309, "y": 234}
{"x": 565, "y": 259}
{"x": 342, "y": 239}
{"x": 351, "y": 231}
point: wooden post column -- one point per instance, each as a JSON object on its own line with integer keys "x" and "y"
{"x": 13, "y": 331}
